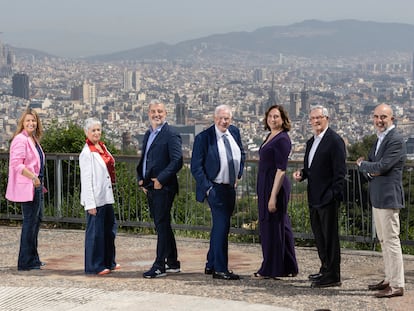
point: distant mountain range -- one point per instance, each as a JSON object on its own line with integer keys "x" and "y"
{"x": 311, "y": 38}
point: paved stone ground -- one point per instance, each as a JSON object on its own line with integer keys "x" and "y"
{"x": 62, "y": 250}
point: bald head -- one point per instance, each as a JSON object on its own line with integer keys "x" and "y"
{"x": 383, "y": 117}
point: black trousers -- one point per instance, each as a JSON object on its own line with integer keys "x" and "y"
{"x": 324, "y": 222}
{"x": 160, "y": 203}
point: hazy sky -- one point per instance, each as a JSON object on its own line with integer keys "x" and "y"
{"x": 88, "y": 27}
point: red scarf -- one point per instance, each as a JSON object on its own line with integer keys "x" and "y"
{"x": 106, "y": 156}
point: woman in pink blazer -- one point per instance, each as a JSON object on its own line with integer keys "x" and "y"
{"x": 25, "y": 185}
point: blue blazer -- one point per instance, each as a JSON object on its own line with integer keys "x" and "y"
{"x": 326, "y": 175}
{"x": 164, "y": 159}
{"x": 205, "y": 160}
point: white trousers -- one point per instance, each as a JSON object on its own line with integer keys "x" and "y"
{"x": 387, "y": 225}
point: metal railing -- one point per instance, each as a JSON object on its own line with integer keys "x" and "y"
{"x": 62, "y": 201}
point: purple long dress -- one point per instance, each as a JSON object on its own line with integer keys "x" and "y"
{"x": 276, "y": 236}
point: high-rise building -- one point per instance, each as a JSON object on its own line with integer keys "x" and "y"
{"x": 257, "y": 75}
{"x": 89, "y": 93}
{"x": 180, "y": 109}
{"x": 136, "y": 80}
{"x": 304, "y": 99}
{"x": 294, "y": 107}
{"x": 132, "y": 80}
{"x": 20, "y": 85}
{"x": 76, "y": 92}
{"x": 127, "y": 83}
{"x": 271, "y": 101}
{"x": 6, "y": 61}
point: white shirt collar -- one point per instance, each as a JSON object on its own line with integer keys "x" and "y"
{"x": 381, "y": 135}
{"x": 320, "y": 136}
{"x": 219, "y": 133}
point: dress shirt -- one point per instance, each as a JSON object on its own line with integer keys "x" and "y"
{"x": 151, "y": 138}
{"x": 381, "y": 136}
{"x": 316, "y": 140}
{"x": 223, "y": 175}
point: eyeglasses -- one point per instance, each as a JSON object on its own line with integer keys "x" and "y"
{"x": 317, "y": 118}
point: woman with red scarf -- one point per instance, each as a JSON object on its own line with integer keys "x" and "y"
{"x": 97, "y": 168}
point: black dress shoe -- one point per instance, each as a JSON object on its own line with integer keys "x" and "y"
{"x": 323, "y": 284}
{"x": 225, "y": 275}
{"x": 314, "y": 277}
{"x": 208, "y": 270}
{"x": 379, "y": 286}
{"x": 29, "y": 268}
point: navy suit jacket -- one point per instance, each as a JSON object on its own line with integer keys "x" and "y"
{"x": 386, "y": 167}
{"x": 326, "y": 175}
{"x": 164, "y": 159}
{"x": 205, "y": 160}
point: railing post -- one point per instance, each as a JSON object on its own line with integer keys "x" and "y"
{"x": 58, "y": 186}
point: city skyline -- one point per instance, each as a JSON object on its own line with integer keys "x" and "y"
{"x": 84, "y": 28}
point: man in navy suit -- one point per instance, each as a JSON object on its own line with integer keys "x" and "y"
{"x": 325, "y": 169}
{"x": 157, "y": 176}
{"x": 216, "y": 168}
{"x": 384, "y": 169}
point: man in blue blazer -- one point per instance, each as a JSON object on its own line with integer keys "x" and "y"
{"x": 325, "y": 169}
{"x": 384, "y": 169}
{"x": 157, "y": 176}
{"x": 211, "y": 163}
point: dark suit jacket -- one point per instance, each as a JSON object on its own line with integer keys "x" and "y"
{"x": 386, "y": 189}
{"x": 164, "y": 159}
{"x": 205, "y": 160}
{"x": 327, "y": 172}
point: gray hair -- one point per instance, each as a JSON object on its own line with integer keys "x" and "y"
{"x": 325, "y": 111}
{"x": 223, "y": 107}
{"x": 155, "y": 102}
{"x": 89, "y": 122}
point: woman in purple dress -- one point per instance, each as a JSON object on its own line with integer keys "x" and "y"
{"x": 273, "y": 190}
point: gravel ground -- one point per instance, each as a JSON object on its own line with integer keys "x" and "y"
{"x": 62, "y": 250}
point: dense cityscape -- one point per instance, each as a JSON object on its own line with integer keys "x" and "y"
{"x": 67, "y": 90}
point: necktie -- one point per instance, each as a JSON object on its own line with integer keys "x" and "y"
{"x": 230, "y": 163}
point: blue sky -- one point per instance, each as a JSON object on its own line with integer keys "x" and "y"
{"x": 88, "y": 27}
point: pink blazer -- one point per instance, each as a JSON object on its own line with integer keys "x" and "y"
{"x": 23, "y": 153}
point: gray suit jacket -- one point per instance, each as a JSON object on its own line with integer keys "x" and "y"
{"x": 385, "y": 169}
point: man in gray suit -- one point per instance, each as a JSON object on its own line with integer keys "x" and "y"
{"x": 384, "y": 172}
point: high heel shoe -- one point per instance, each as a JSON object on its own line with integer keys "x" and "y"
{"x": 259, "y": 276}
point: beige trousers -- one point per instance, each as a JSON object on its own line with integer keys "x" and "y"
{"x": 387, "y": 225}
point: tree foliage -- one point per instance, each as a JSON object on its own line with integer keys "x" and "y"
{"x": 361, "y": 149}
{"x": 67, "y": 138}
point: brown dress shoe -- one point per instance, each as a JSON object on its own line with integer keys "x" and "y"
{"x": 379, "y": 286}
{"x": 390, "y": 292}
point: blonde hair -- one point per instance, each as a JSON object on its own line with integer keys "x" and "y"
{"x": 20, "y": 126}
